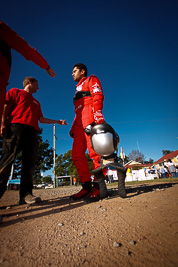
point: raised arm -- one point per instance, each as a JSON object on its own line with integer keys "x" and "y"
{"x": 16, "y": 42}
{"x": 51, "y": 121}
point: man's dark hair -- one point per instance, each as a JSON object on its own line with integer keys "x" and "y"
{"x": 81, "y": 66}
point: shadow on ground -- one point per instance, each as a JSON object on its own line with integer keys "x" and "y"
{"x": 21, "y": 213}
{"x": 135, "y": 190}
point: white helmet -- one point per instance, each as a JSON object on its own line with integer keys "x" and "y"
{"x": 104, "y": 139}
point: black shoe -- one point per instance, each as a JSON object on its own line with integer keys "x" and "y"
{"x": 22, "y": 201}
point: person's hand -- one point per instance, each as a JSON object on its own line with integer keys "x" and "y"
{"x": 98, "y": 117}
{"x": 62, "y": 122}
{"x": 88, "y": 129}
{"x": 51, "y": 72}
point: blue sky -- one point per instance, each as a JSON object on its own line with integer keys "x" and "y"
{"x": 131, "y": 45}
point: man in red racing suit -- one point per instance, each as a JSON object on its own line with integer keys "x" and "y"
{"x": 88, "y": 101}
{"x": 10, "y": 39}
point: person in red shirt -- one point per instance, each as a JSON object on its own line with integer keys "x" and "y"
{"x": 88, "y": 102}
{"x": 20, "y": 126}
{"x": 9, "y": 39}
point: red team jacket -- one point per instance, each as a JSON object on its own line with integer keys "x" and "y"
{"x": 25, "y": 108}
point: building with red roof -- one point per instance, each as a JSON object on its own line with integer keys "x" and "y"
{"x": 173, "y": 156}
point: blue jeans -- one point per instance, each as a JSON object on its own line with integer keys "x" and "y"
{"x": 163, "y": 175}
{"x": 173, "y": 174}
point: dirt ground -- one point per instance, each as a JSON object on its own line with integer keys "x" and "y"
{"x": 140, "y": 230}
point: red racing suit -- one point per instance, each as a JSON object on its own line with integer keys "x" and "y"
{"x": 88, "y": 101}
{"x": 10, "y": 39}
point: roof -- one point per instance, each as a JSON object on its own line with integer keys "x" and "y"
{"x": 133, "y": 163}
{"x": 167, "y": 156}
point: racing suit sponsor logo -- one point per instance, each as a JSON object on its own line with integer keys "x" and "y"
{"x": 79, "y": 88}
{"x": 96, "y": 88}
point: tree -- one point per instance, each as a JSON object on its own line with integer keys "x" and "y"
{"x": 47, "y": 179}
{"x": 165, "y": 152}
{"x": 44, "y": 156}
{"x": 150, "y": 161}
{"x": 65, "y": 165}
{"x": 136, "y": 155}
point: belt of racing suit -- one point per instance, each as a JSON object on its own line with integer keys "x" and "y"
{"x": 81, "y": 94}
{"x": 80, "y": 103}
